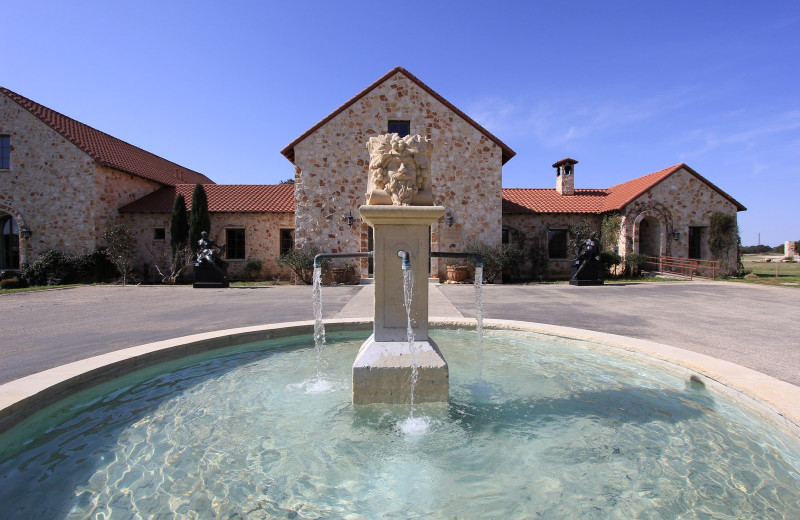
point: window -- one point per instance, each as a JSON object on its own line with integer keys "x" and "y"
{"x": 159, "y": 233}
{"x": 9, "y": 243}
{"x": 5, "y": 152}
{"x": 557, "y": 243}
{"x": 403, "y": 128}
{"x": 287, "y": 240}
{"x": 234, "y": 244}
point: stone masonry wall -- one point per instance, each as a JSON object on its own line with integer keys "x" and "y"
{"x": 679, "y": 202}
{"x": 262, "y": 238}
{"x": 331, "y": 171}
{"x": 49, "y": 184}
{"x": 57, "y": 189}
{"x": 529, "y": 232}
{"x": 112, "y": 190}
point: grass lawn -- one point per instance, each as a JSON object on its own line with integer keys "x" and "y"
{"x": 771, "y": 273}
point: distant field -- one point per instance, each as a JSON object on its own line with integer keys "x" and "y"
{"x": 771, "y": 273}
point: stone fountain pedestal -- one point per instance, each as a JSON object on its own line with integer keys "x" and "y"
{"x": 382, "y": 369}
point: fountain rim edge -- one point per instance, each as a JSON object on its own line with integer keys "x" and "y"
{"x": 771, "y": 398}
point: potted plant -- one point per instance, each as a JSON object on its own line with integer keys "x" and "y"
{"x": 343, "y": 273}
{"x": 456, "y": 272}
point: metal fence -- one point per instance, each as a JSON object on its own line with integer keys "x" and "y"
{"x": 688, "y": 267}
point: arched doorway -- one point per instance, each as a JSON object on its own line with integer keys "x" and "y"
{"x": 650, "y": 236}
{"x": 9, "y": 242}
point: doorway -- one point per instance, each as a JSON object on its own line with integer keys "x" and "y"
{"x": 650, "y": 237}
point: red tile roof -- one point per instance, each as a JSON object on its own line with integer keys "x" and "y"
{"x": 250, "y": 198}
{"x": 537, "y": 200}
{"x": 508, "y": 153}
{"x": 110, "y": 151}
{"x": 542, "y": 200}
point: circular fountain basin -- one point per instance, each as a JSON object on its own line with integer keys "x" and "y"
{"x": 552, "y": 426}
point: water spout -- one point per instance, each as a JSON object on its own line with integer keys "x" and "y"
{"x": 406, "y": 260}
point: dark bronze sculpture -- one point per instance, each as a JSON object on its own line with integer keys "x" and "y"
{"x": 587, "y": 267}
{"x": 210, "y": 270}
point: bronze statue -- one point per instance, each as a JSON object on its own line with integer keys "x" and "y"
{"x": 210, "y": 270}
{"x": 587, "y": 266}
{"x": 209, "y": 250}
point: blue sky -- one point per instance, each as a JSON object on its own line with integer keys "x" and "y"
{"x": 626, "y": 88}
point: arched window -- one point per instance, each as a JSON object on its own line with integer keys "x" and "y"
{"x": 9, "y": 243}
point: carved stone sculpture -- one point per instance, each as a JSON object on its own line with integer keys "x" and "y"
{"x": 399, "y": 170}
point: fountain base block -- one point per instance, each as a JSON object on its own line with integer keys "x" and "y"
{"x": 382, "y": 373}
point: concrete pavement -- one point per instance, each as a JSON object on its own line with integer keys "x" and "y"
{"x": 753, "y": 326}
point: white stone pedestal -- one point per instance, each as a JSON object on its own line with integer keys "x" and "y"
{"x": 382, "y": 370}
{"x": 382, "y": 373}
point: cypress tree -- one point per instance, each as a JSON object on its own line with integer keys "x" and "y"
{"x": 199, "y": 220}
{"x": 179, "y": 225}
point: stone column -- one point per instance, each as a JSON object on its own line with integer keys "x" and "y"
{"x": 382, "y": 370}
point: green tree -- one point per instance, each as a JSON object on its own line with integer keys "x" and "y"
{"x": 199, "y": 219}
{"x": 287, "y": 181}
{"x": 723, "y": 234}
{"x": 179, "y": 225}
{"x": 609, "y": 231}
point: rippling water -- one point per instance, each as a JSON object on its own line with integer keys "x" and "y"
{"x": 552, "y": 429}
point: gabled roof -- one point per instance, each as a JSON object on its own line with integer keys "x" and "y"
{"x": 247, "y": 198}
{"x": 537, "y": 200}
{"x": 508, "y": 153}
{"x": 110, "y": 151}
{"x": 623, "y": 194}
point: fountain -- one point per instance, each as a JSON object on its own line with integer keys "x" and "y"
{"x": 570, "y": 428}
{"x": 400, "y": 210}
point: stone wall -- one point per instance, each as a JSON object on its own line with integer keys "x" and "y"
{"x": 49, "y": 184}
{"x": 679, "y": 202}
{"x": 529, "y": 233}
{"x": 114, "y": 189}
{"x": 331, "y": 171}
{"x": 56, "y": 189}
{"x": 262, "y": 238}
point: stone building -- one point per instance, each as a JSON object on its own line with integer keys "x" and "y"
{"x": 61, "y": 182}
{"x": 253, "y": 221}
{"x": 331, "y": 163}
{"x": 665, "y": 213}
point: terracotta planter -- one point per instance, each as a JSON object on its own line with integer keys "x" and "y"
{"x": 457, "y": 273}
{"x": 342, "y": 274}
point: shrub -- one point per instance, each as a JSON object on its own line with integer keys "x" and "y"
{"x": 93, "y": 267}
{"x": 610, "y": 259}
{"x": 55, "y": 267}
{"x": 11, "y": 283}
{"x": 633, "y": 263}
{"x": 495, "y": 258}
{"x": 301, "y": 262}
{"x": 50, "y": 268}
{"x": 252, "y": 266}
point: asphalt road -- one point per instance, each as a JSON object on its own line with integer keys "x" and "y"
{"x": 754, "y": 326}
{"x": 750, "y": 325}
{"x": 44, "y": 329}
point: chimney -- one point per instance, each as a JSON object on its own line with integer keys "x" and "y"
{"x": 565, "y": 176}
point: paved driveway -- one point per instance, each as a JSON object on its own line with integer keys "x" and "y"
{"x": 44, "y": 329}
{"x": 754, "y": 326}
